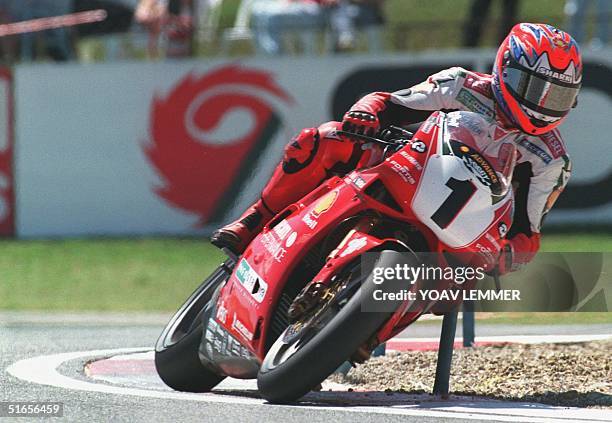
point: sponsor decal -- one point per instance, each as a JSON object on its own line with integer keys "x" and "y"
{"x": 211, "y": 329}
{"x": 535, "y": 150}
{"x": 354, "y": 245}
{"x": 502, "y": 229}
{"x": 273, "y": 246}
{"x": 187, "y": 129}
{"x": 475, "y": 83}
{"x": 427, "y": 126}
{"x": 218, "y": 339}
{"x": 323, "y": 205}
{"x": 493, "y": 241}
{"x": 251, "y": 281}
{"x": 282, "y": 229}
{"x": 241, "y": 329}
{"x": 414, "y": 162}
{"x": 358, "y": 181}
{"x": 291, "y": 239}
{"x": 222, "y": 313}
{"x": 403, "y": 172}
{"x": 477, "y": 170}
{"x": 309, "y": 221}
{"x": 486, "y": 251}
{"x": 418, "y": 146}
{"x": 472, "y": 103}
{"x": 477, "y": 164}
{"x": 554, "y": 74}
{"x": 554, "y": 144}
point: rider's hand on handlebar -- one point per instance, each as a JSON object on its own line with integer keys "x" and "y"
{"x": 360, "y": 123}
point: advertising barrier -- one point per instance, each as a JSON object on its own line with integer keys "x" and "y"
{"x": 179, "y": 148}
{"x": 7, "y": 199}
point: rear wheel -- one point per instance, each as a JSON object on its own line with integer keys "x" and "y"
{"x": 310, "y": 349}
{"x": 176, "y": 351}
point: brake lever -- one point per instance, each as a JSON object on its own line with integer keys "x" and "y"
{"x": 368, "y": 138}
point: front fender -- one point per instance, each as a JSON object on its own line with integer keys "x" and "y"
{"x": 352, "y": 246}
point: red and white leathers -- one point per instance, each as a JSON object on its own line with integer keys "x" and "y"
{"x": 542, "y": 171}
{"x": 543, "y": 166}
{"x": 310, "y": 157}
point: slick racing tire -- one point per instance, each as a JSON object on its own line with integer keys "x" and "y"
{"x": 176, "y": 351}
{"x": 293, "y": 366}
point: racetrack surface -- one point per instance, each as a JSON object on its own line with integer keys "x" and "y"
{"x": 29, "y": 338}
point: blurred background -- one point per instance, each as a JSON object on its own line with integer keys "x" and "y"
{"x": 127, "y": 136}
{"x": 157, "y": 29}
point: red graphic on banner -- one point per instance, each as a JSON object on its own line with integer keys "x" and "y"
{"x": 7, "y": 195}
{"x": 197, "y": 170}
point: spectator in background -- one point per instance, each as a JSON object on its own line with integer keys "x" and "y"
{"x": 478, "y": 14}
{"x": 57, "y": 42}
{"x": 119, "y": 17}
{"x": 169, "y": 19}
{"x": 7, "y": 44}
{"x": 576, "y": 11}
{"x": 347, "y": 15}
{"x": 270, "y": 18}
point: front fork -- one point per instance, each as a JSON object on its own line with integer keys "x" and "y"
{"x": 357, "y": 241}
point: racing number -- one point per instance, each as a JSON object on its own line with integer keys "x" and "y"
{"x": 461, "y": 192}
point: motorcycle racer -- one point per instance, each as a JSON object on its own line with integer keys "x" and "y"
{"x": 534, "y": 84}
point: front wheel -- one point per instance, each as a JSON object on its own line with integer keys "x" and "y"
{"x": 176, "y": 351}
{"x": 311, "y": 349}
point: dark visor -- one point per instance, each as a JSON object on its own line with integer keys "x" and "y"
{"x": 547, "y": 96}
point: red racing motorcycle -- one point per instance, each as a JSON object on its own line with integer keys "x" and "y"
{"x": 288, "y": 311}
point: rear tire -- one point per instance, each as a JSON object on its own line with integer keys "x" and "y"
{"x": 176, "y": 351}
{"x": 283, "y": 380}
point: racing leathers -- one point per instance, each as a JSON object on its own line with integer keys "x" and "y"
{"x": 542, "y": 171}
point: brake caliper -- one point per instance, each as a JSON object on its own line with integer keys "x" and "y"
{"x": 312, "y": 295}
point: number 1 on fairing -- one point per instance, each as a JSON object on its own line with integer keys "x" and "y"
{"x": 461, "y": 192}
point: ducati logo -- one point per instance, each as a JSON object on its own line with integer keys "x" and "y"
{"x": 206, "y": 135}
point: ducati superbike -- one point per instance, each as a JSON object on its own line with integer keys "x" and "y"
{"x": 288, "y": 311}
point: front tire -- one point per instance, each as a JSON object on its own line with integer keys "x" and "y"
{"x": 176, "y": 351}
{"x": 297, "y": 362}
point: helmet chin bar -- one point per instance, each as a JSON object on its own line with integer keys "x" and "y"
{"x": 501, "y": 106}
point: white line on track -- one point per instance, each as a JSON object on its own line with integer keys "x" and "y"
{"x": 43, "y": 370}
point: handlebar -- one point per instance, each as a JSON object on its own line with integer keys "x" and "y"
{"x": 397, "y": 136}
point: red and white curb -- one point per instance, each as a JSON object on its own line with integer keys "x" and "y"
{"x": 130, "y": 372}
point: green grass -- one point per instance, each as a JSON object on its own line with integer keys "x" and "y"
{"x": 568, "y": 242}
{"x": 130, "y": 275}
{"x": 138, "y": 274}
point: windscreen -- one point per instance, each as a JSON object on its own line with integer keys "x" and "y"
{"x": 488, "y": 151}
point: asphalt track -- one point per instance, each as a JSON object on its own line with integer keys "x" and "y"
{"x": 42, "y": 358}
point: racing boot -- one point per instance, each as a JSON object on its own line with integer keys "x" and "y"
{"x": 238, "y": 234}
